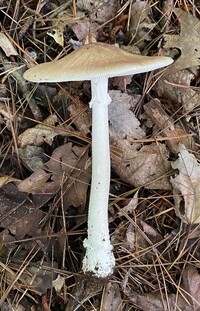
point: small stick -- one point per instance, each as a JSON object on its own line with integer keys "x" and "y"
{"x": 74, "y": 8}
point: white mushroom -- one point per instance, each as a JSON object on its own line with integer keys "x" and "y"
{"x": 97, "y": 62}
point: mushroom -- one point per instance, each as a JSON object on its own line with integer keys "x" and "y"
{"x": 97, "y": 62}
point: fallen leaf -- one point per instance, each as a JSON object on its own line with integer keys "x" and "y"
{"x": 178, "y": 88}
{"x": 186, "y": 185}
{"x": 3, "y": 252}
{"x": 143, "y": 240}
{"x": 32, "y": 157}
{"x": 122, "y": 82}
{"x": 18, "y": 213}
{"x": 40, "y": 276}
{"x": 187, "y": 297}
{"x": 187, "y": 41}
{"x": 68, "y": 170}
{"x": 80, "y": 116}
{"x": 122, "y": 120}
{"x": 37, "y": 277}
{"x": 141, "y": 166}
{"x": 191, "y": 284}
{"x": 167, "y": 128}
{"x": 100, "y": 11}
{"x": 82, "y": 27}
{"x": 34, "y": 181}
{"x": 7, "y": 46}
{"x": 151, "y": 233}
{"x": 140, "y": 23}
{"x": 44, "y": 132}
{"x": 71, "y": 169}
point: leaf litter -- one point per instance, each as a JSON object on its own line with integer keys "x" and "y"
{"x": 187, "y": 297}
{"x": 46, "y": 162}
{"x": 186, "y": 185}
{"x": 187, "y": 41}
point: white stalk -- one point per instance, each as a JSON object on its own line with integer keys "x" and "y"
{"x": 99, "y": 258}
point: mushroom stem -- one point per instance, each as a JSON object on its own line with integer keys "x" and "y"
{"x": 99, "y": 258}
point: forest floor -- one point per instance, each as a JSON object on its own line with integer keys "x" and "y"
{"x": 45, "y": 159}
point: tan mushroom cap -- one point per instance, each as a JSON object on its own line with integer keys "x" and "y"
{"x": 95, "y": 60}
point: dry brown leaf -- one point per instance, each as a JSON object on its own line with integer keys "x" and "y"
{"x": 3, "y": 252}
{"x": 100, "y": 11}
{"x": 122, "y": 82}
{"x": 7, "y": 46}
{"x": 26, "y": 224}
{"x": 177, "y": 87}
{"x": 191, "y": 284}
{"x": 18, "y": 213}
{"x": 80, "y": 116}
{"x": 34, "y": 181}
{"x": 152, "y": 234}
{"x": 140, "y": 23}
{"x": 32, "y": 156}
{"x": 153, "y": 237}
{"x": 38, "y": 277}
{"x": 152, "y": 301}
{"x": 139, "y": 238}
{"x": 186, "y": 185}
{"x": 68, "y": 171}
{"x": 147, "y": 166}
{"x": 187, "y": 41}
{"x": 41, "y": 133}
{"x": 166, "y": 127}
{"x": 82, "y": 28}
{"x": 71, "y": 169}
{"x": 187, "y": 299}
{"x": 122, "y": 120}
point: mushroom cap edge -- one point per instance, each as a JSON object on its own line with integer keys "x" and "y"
{"x": 92, "y": 61}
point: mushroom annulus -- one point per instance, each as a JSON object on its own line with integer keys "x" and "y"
{"x": 97, "y": 62}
